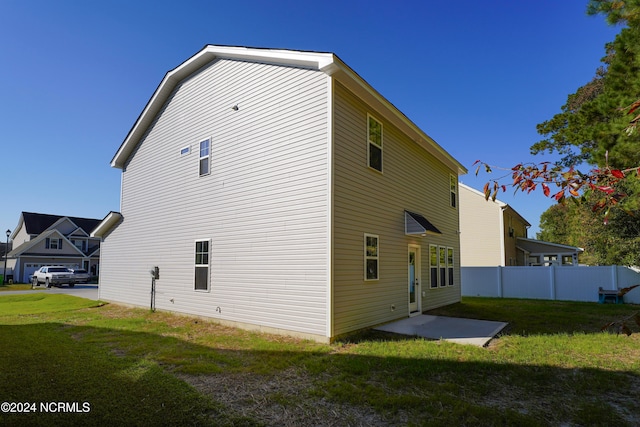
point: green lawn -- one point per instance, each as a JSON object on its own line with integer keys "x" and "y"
{"x": 116, "y": 365}
{"x": 15, "y": 287}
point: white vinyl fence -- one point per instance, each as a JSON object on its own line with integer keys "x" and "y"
{"x": 553, "y": 283}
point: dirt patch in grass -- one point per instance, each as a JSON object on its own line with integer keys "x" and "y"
{"x": 285, "y": 399}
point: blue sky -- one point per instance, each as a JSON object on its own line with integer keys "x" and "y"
{"x": 477, "y": 76}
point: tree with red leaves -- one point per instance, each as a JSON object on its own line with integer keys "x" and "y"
{"x": 593, "y": 127}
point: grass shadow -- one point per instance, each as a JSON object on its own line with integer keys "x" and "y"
{"x": 158, "y": 369}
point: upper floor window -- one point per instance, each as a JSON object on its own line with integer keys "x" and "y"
{"x": 80, "y": 244}
{"x": 453, "y": 186}
{"x": 374, "y": 142}
{"x": 53, "y": 243}
{"x": 205, "y": 149}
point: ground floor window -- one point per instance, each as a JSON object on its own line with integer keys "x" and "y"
{"x": 433, "y": 266}
{"x": 441, "y": 263}
{"x": 450, "y": 266}
{"x": 201, "y": 281}
{"x": 371, "y": 257}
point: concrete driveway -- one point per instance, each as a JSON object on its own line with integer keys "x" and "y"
{"x": 454, "y": 329}
{"x": 83, "y": 291}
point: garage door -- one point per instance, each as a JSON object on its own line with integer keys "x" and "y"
{"x": 29, "y": 269}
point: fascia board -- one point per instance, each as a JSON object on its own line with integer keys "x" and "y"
{"x": 360, "y": 87}
{"x": 55, "y": 225}
{"x": 107, "y": 224}
{"x": 481, "y": 194}
{"x": 325, "y": 62}
{"x": 78, "y": 232}
{"x": 31, "y": 243}
{"x": 17, "y": 228}
{"x": 27, "y": 245}
{"x": 314, "y": 60}
{"x": 94, "y": 253}
{"x": 549, "y": 244}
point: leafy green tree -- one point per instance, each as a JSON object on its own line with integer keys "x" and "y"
{"x": 595, "y": 126}
{"x": 594, "y": 119}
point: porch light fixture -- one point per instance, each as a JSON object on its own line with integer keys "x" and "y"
{"x": 6, "y": 254}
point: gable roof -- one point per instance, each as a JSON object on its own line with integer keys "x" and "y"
{"x": 37, "y": 223}
{"x": 540, "y": 246}
{"x": 23, "y": 248}
{"x": 326, "y": 62}
{"x": 504, "y": 206}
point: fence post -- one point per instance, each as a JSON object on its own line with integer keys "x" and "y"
{"x": 552, "y": 282}
{"x": 499, "y": 271}
{"x": 614, "y": 277}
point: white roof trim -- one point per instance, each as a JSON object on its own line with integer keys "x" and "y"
{"x": 78, "y": 232}
{"x": 481, "y": 194}
{"x": 500, "y": 203}
{"x": 44, "y": 235}
{"x": 313, "y": 60}
{"x": 107, "y": 224}
{"x": 325, "y": 62}
{"x": 554, "y": 245}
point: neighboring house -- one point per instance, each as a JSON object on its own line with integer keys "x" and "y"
{"x": 543, "y": 253}
{"x": 276, "y": 190}
{"x": 41, "y": 239}
{"x": 492, "y": 233}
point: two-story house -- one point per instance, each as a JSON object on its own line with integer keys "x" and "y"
{"x": 492, "y": 233}
{"x": 277, "y": 190}
{"x": 43, "y": 239}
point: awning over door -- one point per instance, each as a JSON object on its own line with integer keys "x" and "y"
{"x": 417, "y": 224}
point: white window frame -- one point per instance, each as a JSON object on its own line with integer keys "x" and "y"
{"x": 185, "y": 151}
{"x": 442, "y": 266}
{"x": 370, "y": 142}
{"x": 206, "y": 264}
{"x": 368, "y": 257}
{"x": 453, "y": 189}
{"x": 206, "y": 157}
{"x": 433, "y": 268}
{"x": 450, "y": 265}
{"x": 49, "y": 243}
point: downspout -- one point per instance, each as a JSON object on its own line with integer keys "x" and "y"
{"x": 503, "y": 252}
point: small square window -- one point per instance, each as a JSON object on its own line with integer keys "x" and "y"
{"x": 184, "y": 151}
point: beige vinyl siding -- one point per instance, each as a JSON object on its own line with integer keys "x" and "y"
{"x": 481, "y": 230}
{"x": 369, "y": 202}
{"x": 513, "y": 227}
{"x": 263, "y": 206}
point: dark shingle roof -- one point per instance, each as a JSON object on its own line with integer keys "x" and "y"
{"x": 36, "y": 223}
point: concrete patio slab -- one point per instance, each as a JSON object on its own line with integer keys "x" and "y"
{"x": 453, "y": 329}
